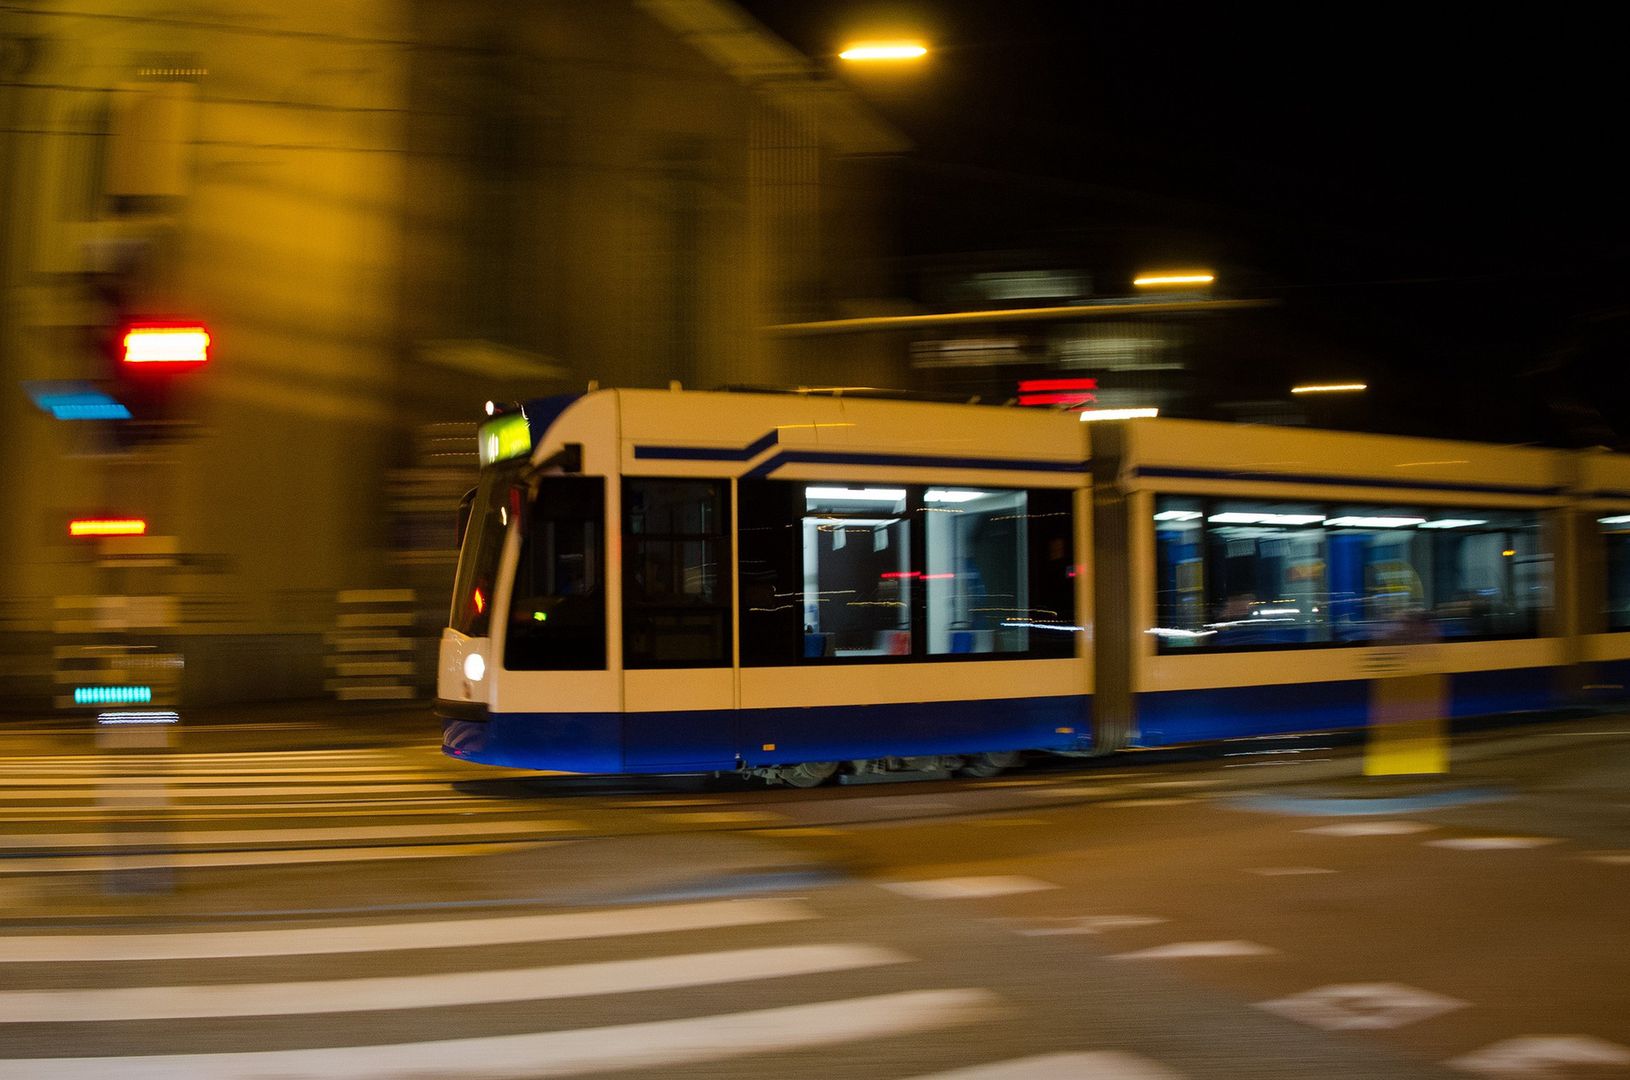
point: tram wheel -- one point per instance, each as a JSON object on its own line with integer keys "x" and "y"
{"x": 807, "y": 774}
{"x": 987, "y": 765}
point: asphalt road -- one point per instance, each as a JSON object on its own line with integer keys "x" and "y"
{"x": 327, "y": 896}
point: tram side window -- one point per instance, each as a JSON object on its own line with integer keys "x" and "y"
{"x": 1616, "y": 540}
{"x": 770, "y": 551}
{"x": 1289, "y": 574}
{"x": 557, "y": 608}
{"x": 998, "y": 572}
{"x": 1264, "y": 572}
{"x": 676, "y": 599}
{"x": 835, "y": 572}
{"x": 857, "y": 573}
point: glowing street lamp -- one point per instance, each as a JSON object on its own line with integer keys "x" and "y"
{"x": 868, "y": 51}
{"x": 1165, "y": 279}
{"x": 1330, "y": 388}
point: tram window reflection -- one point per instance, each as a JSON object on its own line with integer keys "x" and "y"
{"x": 557, "y": 616}
{"x": 1242, "y": 574}
{"x": 676, "y": 602}
{"x": 1615, "y": 528}
{"x": 858, "y": 580}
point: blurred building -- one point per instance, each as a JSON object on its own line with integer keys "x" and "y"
{"x": 386, "y": 212}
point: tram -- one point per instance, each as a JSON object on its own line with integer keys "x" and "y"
{"x": 790, "y": 585}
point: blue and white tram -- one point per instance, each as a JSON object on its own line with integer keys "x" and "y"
{"x": 659, "y": 582}
{"x": 664, "y": 581}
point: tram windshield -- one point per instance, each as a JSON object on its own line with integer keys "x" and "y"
{"x": 478, "y": 555}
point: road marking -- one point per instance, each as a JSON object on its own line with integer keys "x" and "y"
{"x": 186, "y": 789}
{"x": 1287, "y": 871}
{"x": 1362, "y": 1006}
{"x": 362, "y": 783}
{"x": 1538, "y": 1057}
{"x": 1082, "y": 924}
{"x": 1614, "y": 858}
{"x": 208, "y": 860}
{"x": 435, "y": 991}
{"x": 652, "y": 804}
{"x": 1091, "y": 1065}
{"x": 1182, "y": 950}
{"x": 558, "y": 1053}
{"x": 388, "y": 937}
{"x": 1077, "y": 792}
{"x": 1370, "y": 828}
{"x": 724, "y": 817}
{"x": 121, "y": 812}
{"x": 225, "y": 837}
{"x": 801, "y": 830}
{"x": 1145, "y": 802}
{"x": 1177, "y": 783}
{"x": 966, "y": 888}
{"x": 1005, "y": 822}
{"x": 1493, "y": 843}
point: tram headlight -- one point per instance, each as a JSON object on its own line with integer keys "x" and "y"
{"x": 475, "y": 667}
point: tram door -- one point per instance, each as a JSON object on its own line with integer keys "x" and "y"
{"x": 678, "y": 683}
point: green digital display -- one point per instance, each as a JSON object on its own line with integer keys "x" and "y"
{"x": 504, "y": 437}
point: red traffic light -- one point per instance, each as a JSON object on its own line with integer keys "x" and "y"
{"x": 165, "y": 347}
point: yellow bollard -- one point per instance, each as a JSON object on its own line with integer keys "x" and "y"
{"x": 1408, "y": 733}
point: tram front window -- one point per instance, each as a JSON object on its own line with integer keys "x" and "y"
{"x": 557, "y": 606}
{"x": 478, "y": 554}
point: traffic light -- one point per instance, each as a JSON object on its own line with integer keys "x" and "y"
{"x": 150, "y": 356}
{"x": 158, "y": 349}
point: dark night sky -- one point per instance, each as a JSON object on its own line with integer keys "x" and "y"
{"x": 1439, "y": 192}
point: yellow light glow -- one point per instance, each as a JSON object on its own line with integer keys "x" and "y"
{"x": 1185, "y": 277}
{"x": 107, "y": 527}
{"x": 1330, "y": 388}
{"x": 884, "y": 50}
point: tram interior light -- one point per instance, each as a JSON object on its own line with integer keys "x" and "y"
{"x": 1362, "y": 522}
{"x": 1458, "y": 523}
{"x": 1232, "y": 518}
{"x": 936, "y": 495}
{"x": 1177, "y": 515}
{"x": 1617, "y": 519}
{"x": 835, "y": 494}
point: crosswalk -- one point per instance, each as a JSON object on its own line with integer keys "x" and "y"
{"x": 663, "y": 990}
{"x": 70, "y": 813}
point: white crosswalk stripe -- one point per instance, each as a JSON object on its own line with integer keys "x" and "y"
{"x": 558, "y": 1053}
{"x": 440, "y": 934}
{"x": 432, "y": 991}
{"x": 773, "y": 1006}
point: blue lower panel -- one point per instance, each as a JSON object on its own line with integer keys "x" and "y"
{"x": 570, "y": 742}
{"x": 712, "y": 740}
{"x": 1483, "y": 693}
{"x": 1180, "y": 716}
{"x": 851, "y": 732}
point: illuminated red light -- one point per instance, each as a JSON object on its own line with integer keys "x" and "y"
{"x": 480, "y": 602}
{"x": 1036, "y": 386}
{"x": 1057, "y": 391}
{"x": 107, "y": 527}
{"x": 166, "y": 346}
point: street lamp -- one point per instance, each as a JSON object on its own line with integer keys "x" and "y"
{"x": 1169, "y": 278}
{"x": 1329, "y": 388}
{"x": 871, "y": 51}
